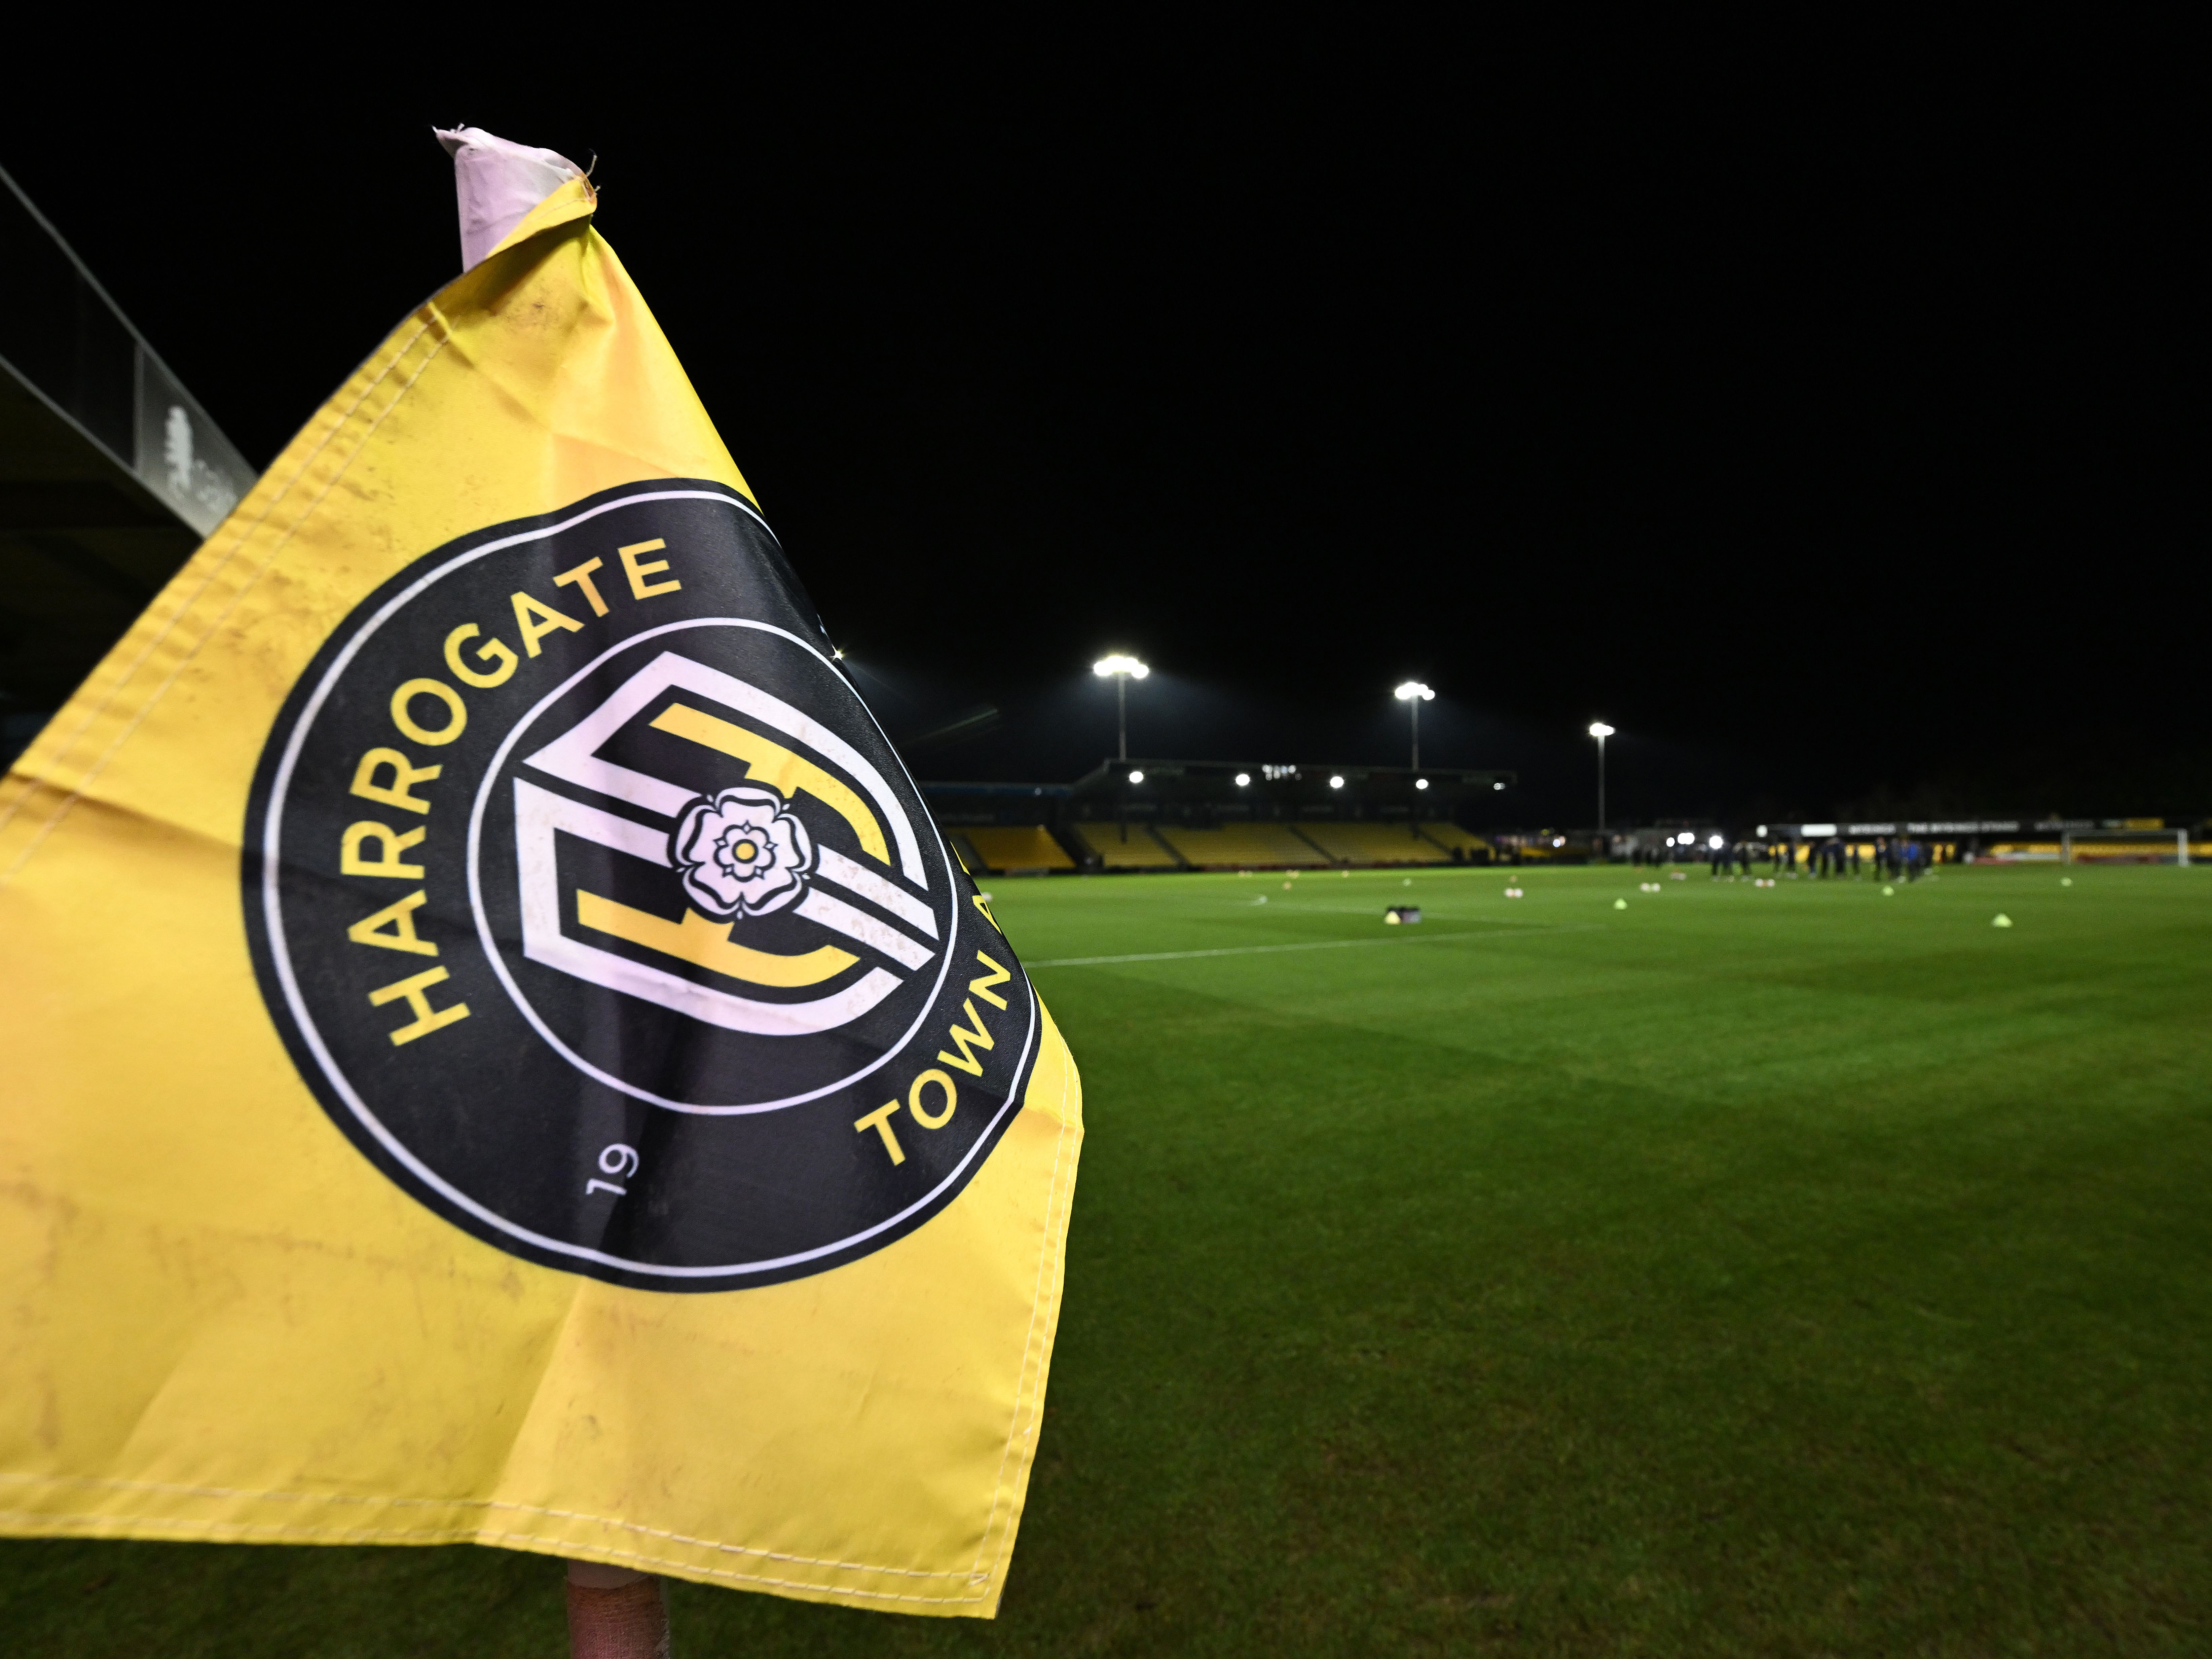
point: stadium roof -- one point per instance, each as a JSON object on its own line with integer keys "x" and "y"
{"x": 110, "y": 471}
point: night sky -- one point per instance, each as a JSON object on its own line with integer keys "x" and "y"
{"x": 1832, "y": 429}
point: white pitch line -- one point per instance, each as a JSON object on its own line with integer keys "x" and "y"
{"x": 1317, "y": 944}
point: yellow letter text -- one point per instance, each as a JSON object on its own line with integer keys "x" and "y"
{"x": 352, "y": 862}
{"x": 581, "y": 577}
{"x": 880, "y": 1121}
{"x": 400, "y": 792}
{"x": 393, "y": 927}
{"x": 492, "y": 651}
{"x": 639, "y": 572}
{"x": 426, "y": 1018}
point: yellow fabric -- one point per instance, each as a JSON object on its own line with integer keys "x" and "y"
{"x": 222, "y": 1321}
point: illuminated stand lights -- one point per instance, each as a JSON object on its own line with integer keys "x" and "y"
{"x": 1179, "y": 790}
{"x": 1168, "y": 792}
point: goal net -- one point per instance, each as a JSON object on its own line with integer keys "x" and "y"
{"x": 2125, "y": 847}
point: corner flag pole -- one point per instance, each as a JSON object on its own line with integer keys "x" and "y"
{"x": 614, "y": 1613}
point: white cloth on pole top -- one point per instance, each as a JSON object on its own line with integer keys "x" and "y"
{"x": 498, "y": 184}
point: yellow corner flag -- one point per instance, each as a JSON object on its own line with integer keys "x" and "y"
{"x": 496, "y": 1047}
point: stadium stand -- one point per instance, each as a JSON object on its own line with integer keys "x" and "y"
{"x": 1374, "y": 843}
{"x": 1452, "y": 838}
{"x": 109, "y": 472}
{"x": 1242, "y": 846}
{"x": 2022, "y": 851}
{"x": 1015, "y": 847}
{"x": 1141, "y": 851}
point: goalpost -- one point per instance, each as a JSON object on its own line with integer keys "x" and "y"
{"x": 2123, "y": 847}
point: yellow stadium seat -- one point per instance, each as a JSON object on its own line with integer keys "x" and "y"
{"x": 1452, "y": 838}
{"x": 1374, "y": 843}
{"x": 1023, "y": 847}
{"x": 1138, "y": 852}
{"x": 1242, "y": 846}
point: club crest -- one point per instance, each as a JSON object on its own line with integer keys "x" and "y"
{"x": 598, "y": 913}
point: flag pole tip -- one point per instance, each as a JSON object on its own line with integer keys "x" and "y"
{"x": 498, "y": 182}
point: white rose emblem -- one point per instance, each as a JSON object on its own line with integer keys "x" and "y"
{"x": 742, "y": 851}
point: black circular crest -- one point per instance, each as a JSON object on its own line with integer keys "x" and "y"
{"x": 597, "y": 911}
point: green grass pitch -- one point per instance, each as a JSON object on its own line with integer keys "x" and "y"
{"x": 1763, "y": 1271}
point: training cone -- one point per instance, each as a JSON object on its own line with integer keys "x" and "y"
{"x": 2002, "y": 921}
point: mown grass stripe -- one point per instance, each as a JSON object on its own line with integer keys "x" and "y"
{"x": 1516, "y": 931}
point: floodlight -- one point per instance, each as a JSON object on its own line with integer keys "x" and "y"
{"x": 1601, "y": 731}
{"x": 1243, "y": 778}
{"x": 1124, "y": 668}
{"x": 1414, "y": 694}
{"x": 1762, "y": 832}
{"x": 1715, "y": 843}
{"x": 1420, "y": 783}
{"x": 1336, "y": 783}
{"x": 1497, "y": 786}
{"x": 1558, "y": 840}
{"x": 1136, "y": 776}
